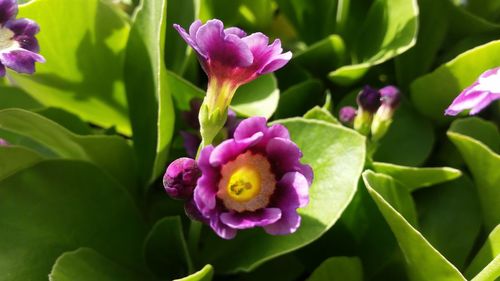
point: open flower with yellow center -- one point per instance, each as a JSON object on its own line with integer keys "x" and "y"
{"x": 252, "y": 180}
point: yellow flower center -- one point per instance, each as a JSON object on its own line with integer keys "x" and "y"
{"x": 244, "y": 184}
{"x": 247, "y": 183}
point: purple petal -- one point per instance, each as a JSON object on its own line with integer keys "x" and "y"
{"x": 193, "y": 28}
{"x": 231, "y": 148}
{"x": 227, "y": 49}
{"x": 23, "y": 27}
{"x": 21, "y": 60}
{"x": 8, "y": 10}
{"x": 484, "y": 103}
{"x": 206, "y": 188}
{"x": 193, "y": 213}
{"x": 190, "y": 40}
{"x": 2, "y": 70}
{"x": 278, "y": 62}
{"x": 221, "y": 229}
{"x": 236, "y": 31}
{"x": 289, "y": 223}
{"x": 28, "y": 42}
{"x": 246, "y": 220}
{"x": 250, "y": 127}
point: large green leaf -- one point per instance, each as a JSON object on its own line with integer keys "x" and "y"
{"x": 257, "y": 98}
{"x": 409, "y": 140}
{"x": 415, "y": 178}
{"x": 482, "y": 161}
{"x": 183, "y": 91}
{"x": 323, "y": 56}
{"x": 489, "y": 252}
{"x": 166, "y": 251}
{"x": 151, "y": 109}
{"x": 83, "y": 42}
{"x": 424, "y": 262}
{"x": 204, "y": 274}
{"x": 16, "y": 97}
{"x": 86, "y": 264}
{"x": 434, "y": 92}
{"x": 299, "y": 98}
{"x": 15, "y": 158}
{"x": 338, "y": 269}
{"x": 390, "y": 29}
{"x": 60, "y": 205}
{"x": 50, "y": 140}
{"x": 337, "y": 163}
{"x": 452, "y": 207}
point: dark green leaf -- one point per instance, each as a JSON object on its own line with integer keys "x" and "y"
{"x": 338, "y": 269}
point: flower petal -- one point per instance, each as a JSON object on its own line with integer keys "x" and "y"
{"x": 28, "y": 43}
{"x": 250, "y": 127}
{"x": 190, "y": 40}
{"x": 236, "y": 31}
{"x": 21, "y": 60}
{"x": 246, "y": 220}
{"x": 231, "y": 148}
{"x": 8, "y": 10}
{"x": 221, "y": 229}
{"x": 23, "y": 27}
{"x": 285, "y": 156}
{"x": 276, "y": 63}
{"x": 226, "y": 49}
{"x": 2, "y": 70}
{"x": 206, "y": 188}
{"x": 289, "y": 223}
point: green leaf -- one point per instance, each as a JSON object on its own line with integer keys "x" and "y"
{"x": 482, "y": 161}
{"x": 323, "y": 56}
{"x": 205, "y": 274}
{"x": 16, "y": 158}
{"x": 83, "y": 42}
{"x": 434, "y": 92}
{"x": 424, "y": 262}
{"x": 257, "y": 98}
{"x": 59, "y": 205}
{"x": 409, "y": 140}
{"x": 284, "y": 268}
{"x": 415, "y": 178}
{"x": 338, "y": 268}
{"x": 489, "y": 252}
{"x": 433, "y": 25}
{"x": 182, "y": 13}
{"x": 151, "y": 109}
{"x": 390, "y": 29}
{"x": 320, "y": 113}
{"x": 16, "y": 97}
{"x": 68, "y": 120}
{"x": 452, "y": 207}
{"x": 313, "y": 20}
{"x": 337, "y": 164}
{"x": 299, "y": 98}
{"x": 183, "y": 91}
{"x": 51, "y": 140}
{"x": 166, "y": 251}
{"x": 87, "y": 264}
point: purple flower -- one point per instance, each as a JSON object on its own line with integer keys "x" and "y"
{"x": 368, "y": 99}
{"x": 3, "y": 142}
{"x": 390, "y": 98}
{"x": 479, "y": 95}
{"x": 180, "y": 178}
{"x": 230, "y": 58}
{"x": 347, "y": 114}
{"x": 18, "y": 45}
{"x": 253, "y": 180}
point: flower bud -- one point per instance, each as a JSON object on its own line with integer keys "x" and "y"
{"x": 390, "y": 99}
{"x": 368, "y": 101}
{"x": 347, "y": 115}
{"x": 181, "y": 177}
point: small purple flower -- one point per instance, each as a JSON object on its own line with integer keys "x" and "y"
{"x": 180, "y": 178}
{"x": 18, "y": 45}
{"x": 253, "y": 180}
{"x": 479, "y": 95}
{"x": 347, "y": 114}
{"x": 230, "y": 58}
{"x": 3, "y": 142}
{"x": 390, "y": 96}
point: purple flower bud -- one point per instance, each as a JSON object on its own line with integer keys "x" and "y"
{"x": 369, "y": 99}
{"x": 18, "y": 45}
{"x": 3, "y": 142}
{"x": 347, "y": 114}
{"x": 479, "y": 95}
{"x": 390, "y": 96}
{"x": 181, "y": 177}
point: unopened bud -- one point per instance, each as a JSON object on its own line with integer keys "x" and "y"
{"x": 347, "y": 115}
{"x": 181, "y": 177}
{"x": 368, "y": 101}
{"x": 390, "y": 99}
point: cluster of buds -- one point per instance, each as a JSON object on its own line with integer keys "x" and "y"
{"x": 375, "y": 110}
